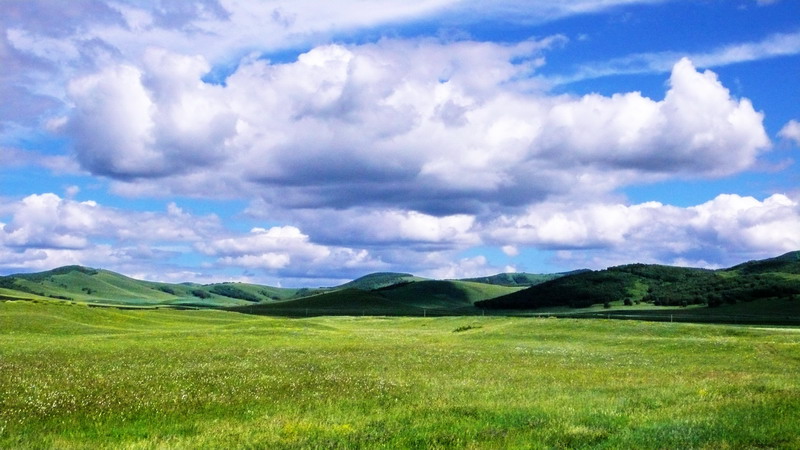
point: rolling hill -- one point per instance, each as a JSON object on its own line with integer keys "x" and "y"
{"x": 662, "y": 286}
{"x": 406, "y": 298}
{"x": 766, "y": 288}
{"x": 788, "y": 263}
{"x": 87, "y": 285}
{"x": 379, "y": 292}
{"x": 379, "y": 280}
{"x": 520, "y": 278}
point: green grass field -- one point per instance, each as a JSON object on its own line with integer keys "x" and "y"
{"x": 72, "y": 376}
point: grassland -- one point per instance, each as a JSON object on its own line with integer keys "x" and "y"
{"x": 72, "y": 376}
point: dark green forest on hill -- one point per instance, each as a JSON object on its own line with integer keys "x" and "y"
{"x": 662, "y": 286}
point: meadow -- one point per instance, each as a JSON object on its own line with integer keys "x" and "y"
{"x": 74, "y": 376}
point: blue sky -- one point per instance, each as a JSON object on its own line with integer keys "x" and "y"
{"x": 305, "y": 143}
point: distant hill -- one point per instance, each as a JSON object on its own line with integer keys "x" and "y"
{"x": 765, "y": 291}
{"x": 84, "y": 284}
{"x": 661, "y": 286}
{"x": 444, "y": 293}
{"x": 348, "y": 301}
{"x": 415, "y": 298}
{"x": 379, "y": 280}
{"x": 787, "y": 263}
{"x": 519, "y": 278}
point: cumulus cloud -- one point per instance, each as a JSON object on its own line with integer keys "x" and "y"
{"x": 791, "y": 131}
{"x": 43, "y": 231}
{"x": 289, "y": 252}
{"x": 475, "y": 266}
{"x": 440, "y": 128}
{"x": 272, "y": 248}
{"x": 369, "y": 125}
{"x": 158, "y": 124}
{"x": 14, "y": 157}
{"x": 654, "y": 232}
{"x": 373, "y": 226}
{"x": 42, "y": 46}
{"x": 687, "y": 132}
{"x": 48, "y": 221}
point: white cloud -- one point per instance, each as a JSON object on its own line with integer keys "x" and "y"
{"x": 48, "y": 221}
{"x": 44, "y": 231}
{"x": 47, "y": 231}
{"x": 286, "y": 248}
{"x": 376, "y": 226}
{"x": 687, "y": 132}
{"x": 768, "y": 226}
{"x": 370, "y": 125}
{"x": 45, "y": 221}
{"x": 13, "y": 157}
{"x": 476, "y": 266}
{"x": 154, "y": 123}
{"x": 534, "y": 11}
{"x": 779, "y": 44}
{"x": 510, "y": 250}
{"x": 219, "y": 28}
{"x": 272, "y": 246}
{"x": 654, "y": 232}
{"x": 791, "y": 131}
{"x": 772, "y": 46}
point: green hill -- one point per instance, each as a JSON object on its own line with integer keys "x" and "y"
{"x": 379, "y": 280}
{"x": 519, "y": 278}
{"x": 444, "y": 294}
{"x": 788, "y": 263}
{"x": 767, "y": 288}
{"x": 395, "y": 293}
{"x": 661, "y": 286}
{"x": 83, "y": 284}
{"x": 340, "y": 302}
{"x": 408, "y": 298}
{"x": 86, "y": 284}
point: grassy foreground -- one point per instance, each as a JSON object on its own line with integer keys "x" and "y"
{"x": 74, "y": 376}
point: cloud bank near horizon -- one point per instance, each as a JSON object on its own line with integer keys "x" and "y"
{"x": 47, "y": 231}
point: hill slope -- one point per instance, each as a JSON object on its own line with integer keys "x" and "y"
{"x": 409, "y": 298}
{"x": 768, "y": 287}
{"x": 379, "y": 280}
{"x": 661, "y": 286}
{"x": 517, "y": 278}
{"x": 89, "y": 285}
{"x": 788, "y": 263}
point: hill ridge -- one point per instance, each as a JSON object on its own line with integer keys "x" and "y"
{"x": 662, "y": 285}
{"x": 634, "y": 285}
